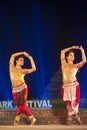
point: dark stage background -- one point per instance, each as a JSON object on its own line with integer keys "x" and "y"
{"x": 42, "y": 28}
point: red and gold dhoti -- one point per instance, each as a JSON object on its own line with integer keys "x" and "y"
{"x": 20, "y": 97}
{"x": 71, "y": 96}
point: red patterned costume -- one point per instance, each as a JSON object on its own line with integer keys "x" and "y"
{"x": 20, "y": 97}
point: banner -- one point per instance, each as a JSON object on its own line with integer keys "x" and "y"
{"x": 45, "y": 104}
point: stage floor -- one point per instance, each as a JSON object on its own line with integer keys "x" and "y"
{"x": 45, "y": 127}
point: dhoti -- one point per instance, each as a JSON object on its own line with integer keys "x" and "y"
{"x": 71, "y": 96}
{"x": 20, "y": 97}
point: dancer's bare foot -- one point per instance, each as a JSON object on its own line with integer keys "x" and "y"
{"x": 79, "y": 121}
{"x": 16, "y": 120}
{"x": 16, "y": 123}
{"x": 77, "y": 117}
{"x": 69, "y": 121}
{"x": 33, "y": 120}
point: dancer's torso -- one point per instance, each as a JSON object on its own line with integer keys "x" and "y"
{"x": 69, "y": 73}
{"x": 17, "y": 78}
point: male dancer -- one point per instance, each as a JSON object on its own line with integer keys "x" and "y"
{"x": 19, "y": 87}
{"x": 71, "y": 89}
